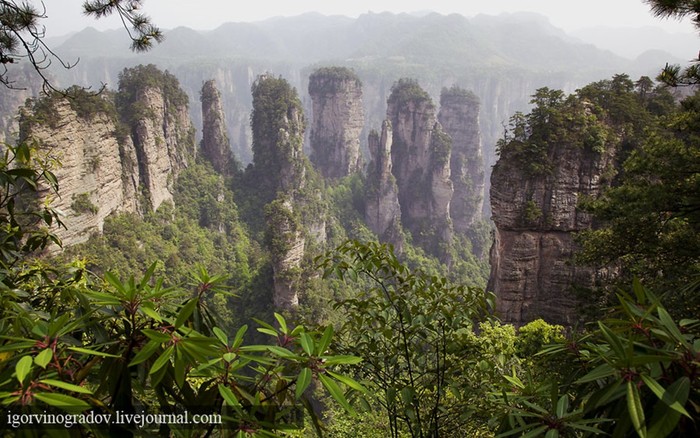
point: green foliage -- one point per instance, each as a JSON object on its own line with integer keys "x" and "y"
{"x": 82, "y": 204}
{"x": 330, "y": 78}
{"x": 409, "y": 328}
{"x": 407, "y": 90}
{"x": 24, "y": 225}
{"x": 632, "y": 374}
{"x": 650, "y": 219}
{"x": 134, "y": 81}
{"x": 74, "y": 342}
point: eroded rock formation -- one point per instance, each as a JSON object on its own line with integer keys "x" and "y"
{"x": 536, "y": 218}
{"x": 421, "y": 164}
{"x": 459, "y": 117}
{"x": 122, "y": 157}
{"x": 279, "y": 171}
{"x": 382, "y": 209}
{"x": 215, "y": 145}
{"x": 338, "y": 118}
{"x": 97, "y": 174}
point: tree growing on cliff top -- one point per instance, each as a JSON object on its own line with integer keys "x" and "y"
{"x": 22, "y": 34}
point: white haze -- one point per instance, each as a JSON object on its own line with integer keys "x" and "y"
{"x": 574, "y": 16}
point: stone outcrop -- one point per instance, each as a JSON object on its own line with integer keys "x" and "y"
{"x": 536, "y": 218}
{"x": 97, "y": 174}
{"x": 338, "y": 119}
{"x": 215, "y": 145}
{"x": 164, "y": 140}
{"x": 113, "y": 158}
{"x": 382, "y": 209}
{"x": 421, "y": 164}
{"x": 279, "y": 171}
{"x": 459, "y": 117}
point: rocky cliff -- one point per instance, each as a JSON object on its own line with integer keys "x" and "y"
{"x": 117, "y": 152}
{"x": 338, "y": 119}
{"x": 534, "y": 203}
{"x": 421, "y": 164}
{"x": 155, "y": 110}
{"x": 459, "y": 117}
{"x": 97, "y": 171}
{"x": 215, "y": 145}
{"x": 382, "y": 209}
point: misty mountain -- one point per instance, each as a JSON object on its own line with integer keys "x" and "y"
{"x": 631, "y": 42}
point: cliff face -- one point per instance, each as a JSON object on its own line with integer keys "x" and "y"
{"x": 536, "y": 217}
{"x": 338, "y": 119}
{"x": 421, "y": 164}
{"x": 382, "y": 209}
{"x": 163, "y": 140}
{"x": 459, "y": 117}
{"x": 110, "y": 163}
{"x": 215, "y": 144}
{"x": 97, "y": 175}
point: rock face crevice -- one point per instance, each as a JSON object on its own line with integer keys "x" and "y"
{"x": 215, "y": 145}
{"x": 338, "y": 119}
{"x": 536, "y": 219}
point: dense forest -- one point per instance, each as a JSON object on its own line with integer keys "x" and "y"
{"x": 342, "y": 280}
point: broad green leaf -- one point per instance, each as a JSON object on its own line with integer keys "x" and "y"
{"x": 341, "y": 359}
{"x": 613, "y": 340}
{"x": 228, "y": 396}
{"x": 163, "y": 359}
{"x": 336, "y": 392}
{"x": 42, "y": 359}
{"x": 281, "y": 352}
{"x": 92, "y": 352}
{"x": 562, "y": 406}
{"x": 552, "y": 433}
{"x": 23, "y": 368}
{"x": 267, "y": 331}
{"x": 347, "y": 381}
{"x": 220, "y": 335}
{"x": 600, "y": 372}
{"x": 307, "y": 343}
{"x": 186, "y": 312}
{"x": 148, "y": 311}
{"x": 62, "y": 401}
{"x": 282, "y": 323}
{"x": 671, "y": 327}
{"x": 675, "y": 396}
{"x": 145, "y": 352}
{"x": 238, "y": 339}
{"x": 65, "y": 385}
{"x": 303, "y": 382}
{"x": 635, "y": 409}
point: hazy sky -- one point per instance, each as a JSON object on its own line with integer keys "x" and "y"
{"x": 65, "y": 15}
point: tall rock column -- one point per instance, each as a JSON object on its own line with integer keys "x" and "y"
{"x": 459, "y": 117}
{"x": 280, "y": 174}
{"x": 382, "y": 209}
{"x": 215, "y": 145}
{"x": 338, "y": 118}
{"x": 155, "y": 108}
{"x": 421, "y": 164}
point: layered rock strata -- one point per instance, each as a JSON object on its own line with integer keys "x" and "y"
{"x": 338, "y": 119}
{"x": 536, "y": 218}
